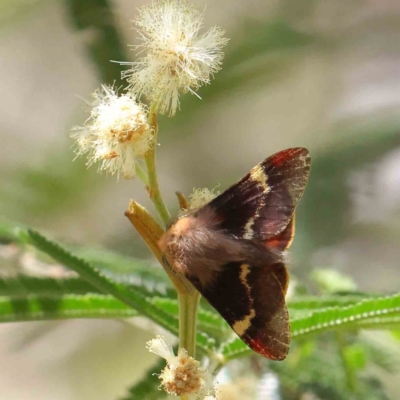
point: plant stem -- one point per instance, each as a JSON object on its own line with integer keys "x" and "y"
{"x": 152, "y": 188}
{"x": 151, "y": 233}
{"x": 188, "y": 297}
{"x": 141, "y": 173}
{"x": 188, "y": 305}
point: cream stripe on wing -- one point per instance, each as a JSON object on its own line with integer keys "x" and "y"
{"x": 258, "y": 175}
{"x": 241, "y": 326}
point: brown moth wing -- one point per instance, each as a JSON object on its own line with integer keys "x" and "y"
{"x": 262, "y": 203}
{"x": 282, "y": 242}
{"x": 252, "y": 301}
{"x": 280, "y": 271}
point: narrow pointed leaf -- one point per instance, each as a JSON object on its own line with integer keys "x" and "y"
{"x": 371, "y": 313}
{"x": 95, "y": 277}
{"x": 128, "y": 295}
{"x": 64, "y": 307}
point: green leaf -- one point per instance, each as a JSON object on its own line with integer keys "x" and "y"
{"x": 130, "y": 271}
{"x": 23, "y": 286}
{"x": 129, "y": 295}
{"x": 372, "y": 313}
{"x": 121, "y": 269}
{"x": 371, "y": 310}
{"x": 124, "y": 266}
{"x": 27, "y": 299}
{"x": 387, "y": 323}
{"x": 37, "y": 308}
{"x": 304, "y": 303}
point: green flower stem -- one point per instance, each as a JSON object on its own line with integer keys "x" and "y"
{"x": 142, "y": 174}
{"x": 188, "y": 297}
{"x": 188, "y": 305}
{"x": 150, "y": 157}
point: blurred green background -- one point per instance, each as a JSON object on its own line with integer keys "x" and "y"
{"x": 320, "y": 74}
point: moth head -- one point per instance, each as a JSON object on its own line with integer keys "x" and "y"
{"x": 170, "y": 242}
{"x": 175, "y": 231}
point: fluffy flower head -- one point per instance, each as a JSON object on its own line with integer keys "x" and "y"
{"x": 201, "y": 196}
{"x": 177, "y": 57}
{"x": 182, "y": 375}
{"x": 115, "y": 134}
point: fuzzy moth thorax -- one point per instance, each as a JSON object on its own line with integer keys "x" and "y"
{"x": 196, "y": 247}
{"x": 174, "y": 241}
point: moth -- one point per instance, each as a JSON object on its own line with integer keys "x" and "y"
{"x": 232, "y": 250}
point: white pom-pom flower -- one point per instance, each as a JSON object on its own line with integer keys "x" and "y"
{"x": 177, "y": 57}
{"x": 201, "y": 196}
{"x": 182, "y": 375}
{"x": 116, "y": 133}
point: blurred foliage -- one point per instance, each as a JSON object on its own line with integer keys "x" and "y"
{"x": 331, "y": 365}
{"x": 333, "y": 281}
{"x": 12, "y": 10}
{"x": 148, "y": 387}
{"x": 96, "y": 17}
{"x": 330, "y": 369}
{"x": 329, "y": 359}
{"x": 263, "y": 53}
{"x": 328, "y": 192}
{"x": 34, "y": 193}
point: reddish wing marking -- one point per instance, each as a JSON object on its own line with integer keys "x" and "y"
{"x": 262, "y": 203}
